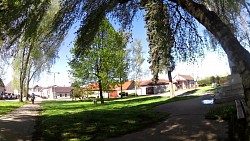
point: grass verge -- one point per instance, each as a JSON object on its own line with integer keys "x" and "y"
{"x": 72, "y": 120}
{"x": 7, "y": 106}
{"x": 221, "y": 113}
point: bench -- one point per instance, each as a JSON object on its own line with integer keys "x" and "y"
{"x": 242, "y": 109}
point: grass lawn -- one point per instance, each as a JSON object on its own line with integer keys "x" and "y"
{"x": 200, "y": 90}
{"x": 7, "y": 106}
{"x": 207, "y": 89}
{"x": 75, "y": 120}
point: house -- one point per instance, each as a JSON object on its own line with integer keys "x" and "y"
{"x": 37, "y": 90}
{"x": 94, "y": 87}
{"x": 113, "y": 92}
{"x": 127, "y": 87}
{"x": 10, "y": 90}
{"x": 52, "y": 92}
{"x": 184, "y": 81}
{"x": 61, "y": 92}
{"x": 149, "y": 87}
{"x": 145, "y": 87}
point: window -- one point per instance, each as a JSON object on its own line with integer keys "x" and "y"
{"x": 65, "y": 95}
{"x": 60, "y": 95}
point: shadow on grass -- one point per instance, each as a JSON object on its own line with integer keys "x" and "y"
{"x": 113, "y": 119}
{"x": 189, "y": 92}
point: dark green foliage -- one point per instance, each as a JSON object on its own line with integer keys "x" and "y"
{"x": 212, "y": 79}
{"x": 103, "y": 62}
{"x": 90, "y": 14}
{"x": 159, "y": 36}
{"x": 21, "y": 18}
{"x": 209, "y": 80}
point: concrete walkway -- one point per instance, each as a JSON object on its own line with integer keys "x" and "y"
{"x": 186, "y": 123}
{"x": 18, "y": 125}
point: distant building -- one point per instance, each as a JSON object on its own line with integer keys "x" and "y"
{"x": 148, "y": 87}
{"x": 184, "y": 81}
{"x": 145, "y": 87}
{"x": 10, "y": 90}
{"x": 52, "y": 92}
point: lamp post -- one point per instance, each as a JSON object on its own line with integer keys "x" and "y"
{"x": 54, "y": 82}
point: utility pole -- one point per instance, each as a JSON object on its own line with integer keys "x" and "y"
{"x": 53, "y": 88}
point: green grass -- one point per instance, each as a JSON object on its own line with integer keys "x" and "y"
{"x": 200, "y": 90}
{"x": 72, "y": 120}
{"x": 7, "y": 106}
{"x": 224, "y": 112}
{"x": 207, "y": 89}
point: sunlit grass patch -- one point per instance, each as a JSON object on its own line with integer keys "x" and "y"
{"x": 74, "y": 120}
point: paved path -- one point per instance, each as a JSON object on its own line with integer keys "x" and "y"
{"x": 18, "y": 125}
{"x": 186, "y": 123}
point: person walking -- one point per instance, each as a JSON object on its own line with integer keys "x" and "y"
{"x": 33, "y": 98}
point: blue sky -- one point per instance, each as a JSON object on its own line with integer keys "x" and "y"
{"x": 212, "y": 65}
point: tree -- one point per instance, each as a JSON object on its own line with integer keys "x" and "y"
{"x": 36, "y": 54}
{"x": 160, "y": 41}
{"x": 182, "y": 14}
{"x": 100, "y": 61}
{"x": 212, "y": 79}
{"x": 20, "y": 19}
{"x": 137, "y": 61}
{"x": 217, "y": 79}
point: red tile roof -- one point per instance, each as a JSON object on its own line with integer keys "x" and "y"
{"x": 94, "y": 87}
{"x": 125, "y": 86}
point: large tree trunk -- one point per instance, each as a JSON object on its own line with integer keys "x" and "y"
{"x": 100, "y": 89}
{"x": 235, "y": 52}
{"x": 171, "y": 84}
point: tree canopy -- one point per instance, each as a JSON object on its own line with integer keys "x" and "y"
{"x": 103, "y": 62}
{"x": 223, "y": 19}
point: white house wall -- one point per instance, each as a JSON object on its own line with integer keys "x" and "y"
{"x": 62, "y": 95}
{"x": 157, "y": 89}
{"x": 97, "y": 94}
{"x": 160, "y": 89}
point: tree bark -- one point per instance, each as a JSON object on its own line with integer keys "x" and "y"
{"x": 100, "y": 89}
{"x": 171, "y": 84}
{"x": 235, "y": 52}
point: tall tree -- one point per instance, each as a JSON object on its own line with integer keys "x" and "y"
{"x": 122, "y": 61}
{"x": 182, "y": 16}
{"x": 137, "y": 61}
{"x": 160, "y": 41}
{"x": 103, "y": 61}
{"x": 36, "y": 54}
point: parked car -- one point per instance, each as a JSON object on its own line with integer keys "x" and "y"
{"x": 9, "y": 96}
